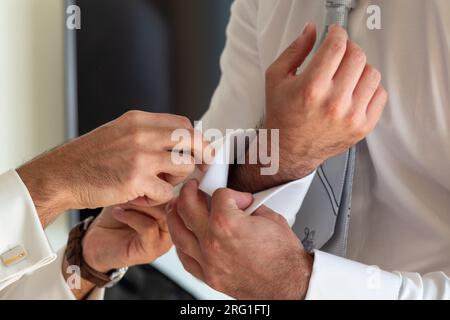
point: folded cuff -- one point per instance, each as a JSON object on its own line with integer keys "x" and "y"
{"x": 20, "y": 226}
{"x": 335, "y": 278}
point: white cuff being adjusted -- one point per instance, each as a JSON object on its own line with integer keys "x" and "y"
{"x": 46, "y": 284}
{"x": 20, "y": 227}
{"x": 335, "y": 278}
{"x": 285, "y": 199}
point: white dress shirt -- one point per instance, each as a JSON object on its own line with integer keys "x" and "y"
{"x": 401, "y": 210}
{"x": 39, "y": 275}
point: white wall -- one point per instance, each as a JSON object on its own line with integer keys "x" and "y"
{"x": 32, "y": 116}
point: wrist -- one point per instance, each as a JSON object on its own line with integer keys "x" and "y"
{"x": 296, "y": 160}
{"x": 76, "y": 256}
{"x": 304, "y": 270}
{"x": 46, "y": 190}
{"x": 92, "y": 257}
{"x": 81, "y": 287}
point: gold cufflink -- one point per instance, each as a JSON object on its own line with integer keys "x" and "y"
{"x": 14, "y": 256}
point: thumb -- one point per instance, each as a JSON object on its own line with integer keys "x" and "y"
{"x": 294, "y": 56}
{"x": 230, "y": 200}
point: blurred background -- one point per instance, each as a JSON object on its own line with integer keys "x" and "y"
{"x": 55, "y": 84}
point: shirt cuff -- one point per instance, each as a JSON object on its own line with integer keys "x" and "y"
{"x": 46, "y": 284}
{"x": 20, "y": 226}
{"x": 336, "y": 278}
{"x": 285, "y": 199}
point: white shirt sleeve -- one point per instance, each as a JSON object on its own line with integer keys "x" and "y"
{"x": 46, "y": 283}
{"x": 39, "y": 275}
{"x": 20, "y": 226}
{"x": 239, "y": 103}
{"x": 239, "y": 100}
{"x": 337, "y": 278}
{"x": 285, "y": 199}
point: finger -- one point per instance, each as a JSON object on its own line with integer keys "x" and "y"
{"x": 189, "y": 142}
{"x": 180, "y": 140}
{"x": 326, "y": 61}
{"x": 175, "y": 181}
{"x": 174, "y": 165}
{"x": 350, "y": 70}
{"x": 191, "y": 265}
{"x": 182, "y": 237}
{"x": 156, "y": 191}
{"x": 376, "y": 107}
{"x": 156, "y": 212}
{"x": 227, "y": 200}
{"x": 366, "y": 88}
{"x": 268, "y": 213}
{"x": 163, "y": 225}
{"x": 148, "y": 119}
{"x": 294, "y": 55}
{"x": 192, "y": 207}
{"x": 141, "y": 223}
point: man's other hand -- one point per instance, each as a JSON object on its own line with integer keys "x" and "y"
{"x": 128, "y": 159}
{"x": 122, "y": 236}
{"x": 125, "y": 236}
{"x": 333, "y": 103}
{"x": 246, "y": 257}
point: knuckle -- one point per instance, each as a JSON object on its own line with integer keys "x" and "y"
{"x": 361, "y": 132}
{"x": 353, "y": 121}
{"x": 271, "y": 73}
{"x": 222, "y": 193}
{"x": 132, "y": 115}
{"x": 334, "y": 108}
{"x": 310, "y": 93}
{"x": 374, "y": 77}
{"x": 212, "y": 246}
{"x": 358, "y": 55}
{"x": 179, "y": 121}
{"x": 221, "y": 223}
{"x": 338, "y": 44}
{"x": 138, "y": 138}
{"x": 359, "y": 129}
{"x": 185, "y": 122}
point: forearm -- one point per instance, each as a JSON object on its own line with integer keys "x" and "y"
{"x": 46, "y": 186}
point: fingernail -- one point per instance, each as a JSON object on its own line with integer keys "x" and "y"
{"x": 305, "y": 28}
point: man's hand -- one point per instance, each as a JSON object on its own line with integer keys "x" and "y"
{"x": 334, "y": 102}
{"x": 246, "y": 257}
{"x": 124, "y": 160}
{"x": 124, "y": 236}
